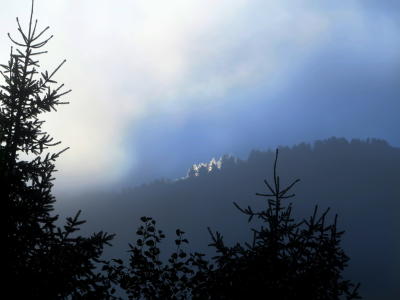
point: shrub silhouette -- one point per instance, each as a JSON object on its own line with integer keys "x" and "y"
{"x": 42, "y": 261}
{"x": 287, "y": 259}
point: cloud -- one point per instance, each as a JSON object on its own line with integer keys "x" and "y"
{"x": 131, "y": 61}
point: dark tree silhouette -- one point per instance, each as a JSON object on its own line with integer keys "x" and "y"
{"x": 42, "y": 261}
{"x": 287, "y": 259}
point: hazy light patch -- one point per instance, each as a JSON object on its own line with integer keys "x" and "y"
{"x": 204, "y": 168}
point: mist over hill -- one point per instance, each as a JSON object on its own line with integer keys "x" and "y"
{"x": 358, "y": 179}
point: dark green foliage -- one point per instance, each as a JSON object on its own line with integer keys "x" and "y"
{"x": 287, "y": 259}
{"x": 42, "y": 261}
{"x": 148, "y": 277}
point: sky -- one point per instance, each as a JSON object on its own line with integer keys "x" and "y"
{"x": 160, "y": 85}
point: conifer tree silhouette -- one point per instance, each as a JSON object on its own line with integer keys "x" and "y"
{"x": 287, "y": 259}
{"x": 42, "y": 261}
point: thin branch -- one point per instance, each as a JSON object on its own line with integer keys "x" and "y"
{"x": 40, "y": 34}
{"x": 30, "y": 21}
{"x": 15, "y": 42}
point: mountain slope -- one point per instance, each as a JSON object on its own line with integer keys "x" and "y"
{"x": 359, "y": 180}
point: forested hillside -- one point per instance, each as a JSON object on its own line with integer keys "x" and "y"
{"x": 358, "y": 179}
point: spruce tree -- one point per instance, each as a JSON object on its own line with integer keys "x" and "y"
{"x": 42, "y": 260}
{"x": 287, "y": 259}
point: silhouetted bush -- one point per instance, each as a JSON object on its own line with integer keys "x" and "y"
{"x": 287, "y": 259}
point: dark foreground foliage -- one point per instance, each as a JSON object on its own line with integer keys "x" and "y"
{"x": 42, "y": 261}
{"x": 287, "y": 259}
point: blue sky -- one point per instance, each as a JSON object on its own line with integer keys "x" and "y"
{"x": 160, "y": 85}
{"x": 348, "y": 85}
